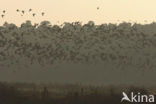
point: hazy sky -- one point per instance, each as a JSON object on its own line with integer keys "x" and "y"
{"x": 80, "y": 10}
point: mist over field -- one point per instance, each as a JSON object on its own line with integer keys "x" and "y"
{"x": 74, "y": 53}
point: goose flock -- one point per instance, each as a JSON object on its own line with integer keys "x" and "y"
{"x": 22, "y": 12}
{"x": 118, "y": 47}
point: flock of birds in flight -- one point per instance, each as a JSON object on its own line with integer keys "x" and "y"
{"x": 30, "y": 10}
{"x": 22, "y": 13}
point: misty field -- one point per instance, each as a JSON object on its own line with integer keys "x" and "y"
{"x": 24, "y": 93}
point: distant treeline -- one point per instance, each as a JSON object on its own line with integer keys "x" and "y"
{"x": 121, "y": 46}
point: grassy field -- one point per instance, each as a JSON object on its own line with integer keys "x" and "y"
{"x": 22, "y": 93}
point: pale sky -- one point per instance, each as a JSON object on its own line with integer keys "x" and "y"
{"x": 80, "y": 10}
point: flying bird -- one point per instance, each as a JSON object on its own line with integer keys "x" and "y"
{"x": 125, "y": 97}
{"x": 4, "y": 11}
{"x": 98, "y": 8}
{"x": 43, "y": 13}
{"x": 17, "y": 10}
{"x": 2, "y": 15}
{"x": 34, "y": 14}
{"x": 23, "y": 11}
{"x": 30, "y": 10}
{"x": 36, "y": 24}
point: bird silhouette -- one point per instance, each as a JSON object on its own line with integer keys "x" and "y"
{"x": 2, "y": 15}
{"x": 23, "y": 11}
{"x": 30, "y": 10}
{"x": 34, "y": 14}
{"x": 125, "y": 97}
{"x": 43, "y": 13}
{"x": 98, "y": 8}
{"x": 36, "y": 24}
{"x": 17, "y": 10}
{"x": 4, "y": 11}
